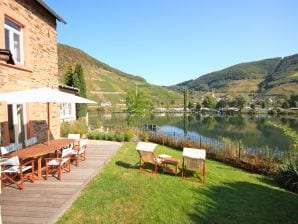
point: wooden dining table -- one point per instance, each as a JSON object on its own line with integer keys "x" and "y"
{"x": 37, "y": 151}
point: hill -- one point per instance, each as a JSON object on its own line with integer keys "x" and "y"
{"x": 105, "y": 83}
{"x": 275, "y": 76}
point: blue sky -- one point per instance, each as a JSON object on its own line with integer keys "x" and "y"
{"x": 170, "y": 41}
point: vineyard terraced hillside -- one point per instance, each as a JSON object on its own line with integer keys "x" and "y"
{"x": 105, "y": 83}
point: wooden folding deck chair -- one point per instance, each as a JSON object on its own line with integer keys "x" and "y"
{"x": 5, "y": 150}
{"x": 147, "y": 156}
{"x": 79, "y": 148}
{"x": 57, "y": 165}
{"x": 194, "y": 160}
{"x": 15, "y": 171}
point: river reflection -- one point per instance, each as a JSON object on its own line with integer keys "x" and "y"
{"x": 253, "y": 131}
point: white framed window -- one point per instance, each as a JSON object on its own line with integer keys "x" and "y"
{"x": 14, "y": 40}
{"x": 66, "y": 110}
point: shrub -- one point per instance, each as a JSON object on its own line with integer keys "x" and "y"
{"x": 128, "y": 135}
{"x": 110, "y": 136}
{"x": 74, "y": 127}
{"x": 144, "y": 136}
{"x": 287, "y": 176}
{"x": 119, "y": 137}
{"x": 64, "y": 129}
{"x": 93, "y": 135}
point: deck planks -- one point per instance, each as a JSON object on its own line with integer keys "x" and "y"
{"x": 45, "y": 201}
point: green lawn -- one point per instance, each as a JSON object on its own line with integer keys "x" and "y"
{"x": 123, "y": 194}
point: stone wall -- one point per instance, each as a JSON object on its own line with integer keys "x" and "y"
{"x": 40, "y": 67}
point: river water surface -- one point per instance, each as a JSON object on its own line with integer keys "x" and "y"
{"x": 252, "y": 131}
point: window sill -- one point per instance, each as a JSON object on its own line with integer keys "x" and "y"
{"x": 18, "y": 67}
{"x": 67, "y": 117}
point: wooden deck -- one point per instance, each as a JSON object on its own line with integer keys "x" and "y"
{"x": 45, "y": 201}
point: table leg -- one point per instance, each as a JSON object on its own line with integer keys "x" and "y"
{"x": 39, "y": 177}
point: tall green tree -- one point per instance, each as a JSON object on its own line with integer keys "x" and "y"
{"x": 68, "y": 76}
{"x": 185, "y": 98}
{"x": 79, "y": 82}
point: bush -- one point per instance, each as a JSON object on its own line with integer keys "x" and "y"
{"x": 74, "y": 127}
{"x": 144, "y": 136}
{"x": 128, "y": 135}
{"x": 288, "y": 176}
{"x": 119, "y": 137}
{"x": 110, "y": 136}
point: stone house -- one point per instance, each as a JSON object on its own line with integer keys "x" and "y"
{"x": 29, "y": 28}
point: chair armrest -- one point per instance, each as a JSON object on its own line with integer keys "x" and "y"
{"x": 28, "y": 162}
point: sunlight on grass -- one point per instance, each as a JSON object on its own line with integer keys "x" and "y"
{"x": 123, "y": 194}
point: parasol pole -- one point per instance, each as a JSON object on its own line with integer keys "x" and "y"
{"x": 48, "y": 106}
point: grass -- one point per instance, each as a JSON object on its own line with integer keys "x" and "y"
{"x": 243, "y": 86}
{"x": 123, "y": 194}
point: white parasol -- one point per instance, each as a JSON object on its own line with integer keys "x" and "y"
{"x": 41, "y": 95}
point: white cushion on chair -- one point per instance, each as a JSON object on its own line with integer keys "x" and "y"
{"x": 8, "y": 149}
{"x": 12, "y": 161}
{"x": 16, "y": 169}
{"x": 31, "y": 141}
{"x": 146, "y": 146}
{"x": 76, "y": 152}
{"x": 194, "y": 153}
{"x": 56, "y": 162}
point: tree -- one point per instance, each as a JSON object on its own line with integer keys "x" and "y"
{"x": 190, "y": 105}
{"x": 76, "y": 79}
{"x": 198, "y": 106}
{"x": 293, "y": 100}
{"x": 221, "y": 104}
{"x": 138, "y": 103}
{"x": 240, "y": 102}
{"x": 209, "y": 102}
{"x": 68, "y": 76}
{"x": 185, "y": 98}
{"x": 285, "y": 105}
{"x": 79, "y": 82}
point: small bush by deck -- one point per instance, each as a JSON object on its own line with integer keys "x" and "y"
{"x": 123, "y": 194}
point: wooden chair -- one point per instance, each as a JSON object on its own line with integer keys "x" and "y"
{"x": 79, "y": 148}
{"x": 194, "y": 160}
{"x": 31, "y": 141}
{"x": 15, "y": 172}
{"x": 147, "y": 156}
{"x": 57, "y": 165}
{"x": 5, "y": 150}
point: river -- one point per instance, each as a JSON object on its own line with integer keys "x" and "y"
{"x": 251, "y": 130}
